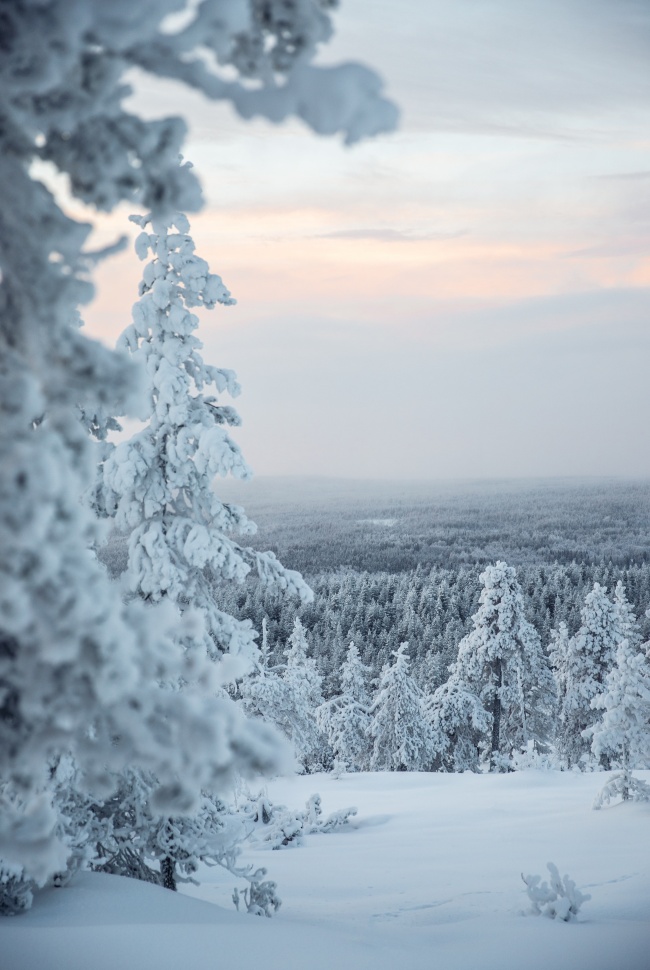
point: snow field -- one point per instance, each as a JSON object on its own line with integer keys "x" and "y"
{"x": 426, "y": 876}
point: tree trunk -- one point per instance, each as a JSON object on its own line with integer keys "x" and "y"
{"x": 168, "y": 873}
{"x": 496, "y": 713}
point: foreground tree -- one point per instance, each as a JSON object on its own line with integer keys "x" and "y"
{"x": 158, "y": 484}
{"x": 79, "y": 671}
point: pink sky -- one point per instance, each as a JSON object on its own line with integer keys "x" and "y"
{"x": 468, "y": 297}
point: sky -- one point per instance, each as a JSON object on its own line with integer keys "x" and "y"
{"x": 468, "y": 297}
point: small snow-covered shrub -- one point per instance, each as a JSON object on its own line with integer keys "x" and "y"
{"x": 531, "y": 756}
{"x": 280, "y": 826}
{"x": 558, "y": 899}
{"x": 339, "y": 768}
{"x": 624, "y": 786}
{"x": 260, "y": 897}
{"x": 289, "y": 826}
{"x": 16, "y": 890}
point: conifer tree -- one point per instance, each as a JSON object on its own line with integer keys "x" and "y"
{"x": 263, "y": 691}
{"x": 158, "y": 484}
{"x": 459, "y": 724}
{"x": 590, "y": 655}
{"x": 501, "y": 663}
{"x": 79, "y": 670}
{"x": 288, "y": 697}
{"x": 623, "y": 734}
{"x": 399, "y": 729}
{"x": 628, "y": 624}
{"x": 345, "y": 718}
{"x": 303, "y": 684}
{"x": 558, "y": 655}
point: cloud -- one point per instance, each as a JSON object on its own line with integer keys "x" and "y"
{"x": 391, "y": 235}
{"x": 612, "y": 249}
{"x": 548, "y": 70}
{"x": 625, "y": 176}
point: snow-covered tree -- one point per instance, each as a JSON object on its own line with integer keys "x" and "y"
{"x": 78, "y": 669}
{"x": 628, "y": 624}
{"x": 264, "y": 694}
{"x": 623, "y": 734}
{"x": 399, "y": 729}
{"x": 288, "y": 697}
{"x": 589, "y": 656}
{"x": 303, "y": 684}
{"x": 558, "y": 656}
{"x": 158, "y": 485}
{"x": 501, "y": 663}
{"x": 459, "y": 723}
{"x": 345, "y": 718}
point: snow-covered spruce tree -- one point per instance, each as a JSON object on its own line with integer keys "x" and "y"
{"x": 501, "y": 663}
{"x": 158, "y": 485}
{"x": 345, "y": 718}
{"x": 303, "y": 684}
{"x": 628, "y": 624}
{"x": 122, "y": 835}
{"x": 459, "y": 724}
{"x": 558, "y": 657}
{"x": 78, "y": 669}
{"x": 288, "y": 697}
{"x": 623, "y": 734}
{"x": 399, "y": 729}
{"x": 589, "y": 656}
{"x": 264, "y": 695}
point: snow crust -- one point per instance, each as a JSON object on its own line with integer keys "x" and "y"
{"x": 426, "y": 876}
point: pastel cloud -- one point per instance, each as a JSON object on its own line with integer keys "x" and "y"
{"x": 488, "y": 263}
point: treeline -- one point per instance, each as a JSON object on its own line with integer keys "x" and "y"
{"x": 504, "y": 703}
{"x": 429, "y": 608}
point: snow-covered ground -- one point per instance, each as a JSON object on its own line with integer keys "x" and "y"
{"x": 426, "y": 876}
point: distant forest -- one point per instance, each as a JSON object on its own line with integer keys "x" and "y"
{"x": 314, "y": 525}
{"x": 391, "y": 562}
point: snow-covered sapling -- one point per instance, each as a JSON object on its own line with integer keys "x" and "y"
{"x": 559, "y": 898}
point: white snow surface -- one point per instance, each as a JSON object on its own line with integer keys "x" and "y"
{"x": 426, "y": 876}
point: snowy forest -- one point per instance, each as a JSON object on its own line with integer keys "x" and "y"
{"x": 433, "y": 608}
{"x": 163, "y": 659}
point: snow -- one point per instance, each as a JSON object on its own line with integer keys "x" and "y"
{"x": 427, "y": 875}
